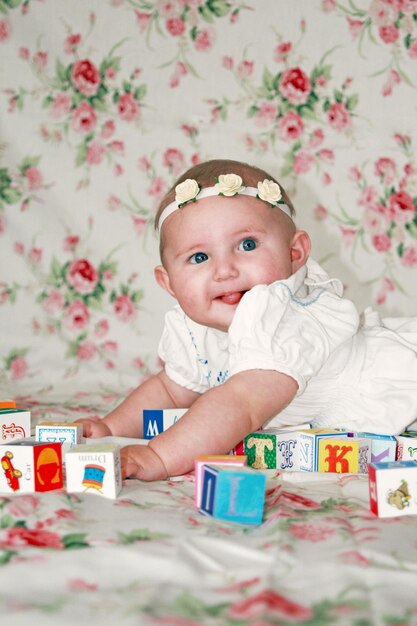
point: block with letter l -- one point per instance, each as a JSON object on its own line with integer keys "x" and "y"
{"x": 233, "y": 494}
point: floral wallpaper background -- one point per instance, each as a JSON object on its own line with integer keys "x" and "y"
{"x": 104, "y": 103}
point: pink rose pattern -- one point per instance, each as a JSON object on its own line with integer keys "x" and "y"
{"x": 390, "y": 24}
{"x": 94, "y": 101}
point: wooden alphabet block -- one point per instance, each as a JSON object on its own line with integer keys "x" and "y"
{"x": 383, "y": 447}
{"x": 212, "y": 459}
{"x": 344, "y": 456}
{"x": 29, "y": 466}
{"x": 272, "y": 448}
{"x": 67, "y": 434}
{"x": 393, "y": 488}
{"x": 233, "y": 494}
{"x": 15, "y": 424}
{"x": 308, "y": 446}
{"x": 94, "y": 468}
{"x": 7, "y": 404}
{"x": 407, "y": 446}
{"x": 155, "y": 421}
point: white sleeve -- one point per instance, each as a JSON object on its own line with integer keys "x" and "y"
{"x": 179, "y": 354}
{"x": 276, "y": 330}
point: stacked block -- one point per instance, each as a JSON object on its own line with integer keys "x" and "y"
{"x": 29, "y": 466}
{"x": 155, "y": 421}
{"x": 393, "y": 488}
{"x": 14, "y": 424}
{"x": 272, "y": 449}
{"x": 407, "y": 446}
{"x": 67, "y": 434}
{"x": 233, "y": 494}
{"x": 94, "y": 468}
{"x": 212, "y": 459}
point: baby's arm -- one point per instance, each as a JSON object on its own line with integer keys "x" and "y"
{"x": 216, "y": 421}
{"x": 157, "y": 392}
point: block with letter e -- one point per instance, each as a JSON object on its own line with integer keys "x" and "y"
{"x": 349, "y": 455}
{"x": 233, "y": 494}
{"x": 155, "y": 421}
{"x": 393, "y": 488}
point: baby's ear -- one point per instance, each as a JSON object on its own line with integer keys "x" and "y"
{"x": 162, "y": 278}
{"x": 300, "y": 249}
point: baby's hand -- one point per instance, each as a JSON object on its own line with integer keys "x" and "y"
{"x": 139, "y": 461}
{"x": 94, "y": 427}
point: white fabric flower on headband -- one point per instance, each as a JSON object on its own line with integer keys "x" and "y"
{"x": 269, "y": 191}
{"x": 187, "y": 191}
{"x": 229, "y": 184}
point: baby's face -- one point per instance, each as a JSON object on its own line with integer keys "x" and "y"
{"x": 218, "y": 248}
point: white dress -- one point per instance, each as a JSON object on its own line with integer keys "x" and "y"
{"x": 355, "y": 372}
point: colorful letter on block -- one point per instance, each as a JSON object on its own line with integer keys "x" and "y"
{"x": 233, "y": 494}
{"x": 272, "y": 448}
{"x": 67, "y": 435}
{"x": 308, "y": 446}
{"x": 155, "y": 421}
{"x": 15, "y": 424}
{"x": 344, "y": 456}
{"x": 212, "y": 459}
{"x": 407, "y": 446}
{"x": 94, "y": 468}
{"x": 393, "y": 488}
{"x": 383, "y": 447}
{"x": 28, "y": 466}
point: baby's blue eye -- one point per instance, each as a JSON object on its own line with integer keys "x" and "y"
{"x": 198, "y": 257}
{"x": 247, "y": 245}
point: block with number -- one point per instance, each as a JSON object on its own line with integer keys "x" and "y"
{"x": 233, "y": 494}
{"x": 155, "y": 421}
{"x": 94, "y": 468}
{"x": 29, "y": 466}
{"x": 67, "y": 435}
{"x": 393, "y": 488}
{"x": 213, "y": 459}
{"x": 14, "y": 424}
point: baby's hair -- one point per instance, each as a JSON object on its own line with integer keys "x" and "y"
{"x": 206, "y": 172}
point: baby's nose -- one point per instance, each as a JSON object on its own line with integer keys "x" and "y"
{"x": 225, "y": 268}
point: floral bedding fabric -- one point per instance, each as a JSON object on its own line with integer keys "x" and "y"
{"x": 102, "y": 105}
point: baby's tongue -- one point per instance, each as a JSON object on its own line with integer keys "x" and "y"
{"x": 232, "y": 298}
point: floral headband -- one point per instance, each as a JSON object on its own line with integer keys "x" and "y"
{"x": 225, "y": 185}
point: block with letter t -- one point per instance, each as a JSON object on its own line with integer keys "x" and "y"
{"x": 272, "y": 448}
{"x": 233, "y": 494}
{"x": 155, "y": 421}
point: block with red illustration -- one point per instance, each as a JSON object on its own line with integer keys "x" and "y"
{"x": 14, "y": 423}
{"x": 344, "y": 456}
{"x": 29, "y": 466}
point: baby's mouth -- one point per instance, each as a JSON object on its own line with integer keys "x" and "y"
{"x": 232, "y": 298}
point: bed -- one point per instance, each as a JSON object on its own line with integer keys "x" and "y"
{"x": 150, "y": 557}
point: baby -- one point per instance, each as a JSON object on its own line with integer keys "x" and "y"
{"x": 261, "y": 336}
